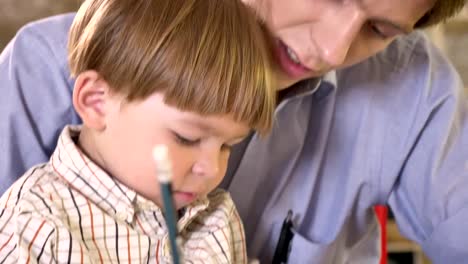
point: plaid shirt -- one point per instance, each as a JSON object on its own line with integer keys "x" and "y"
{"x": 70, "y": 211}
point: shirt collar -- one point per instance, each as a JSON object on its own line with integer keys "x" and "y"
{"x": 330, "y": 78}
{"x": 328, "y": 83}
{"x": 87, "y": 178}
{"x": 318, "y": 88}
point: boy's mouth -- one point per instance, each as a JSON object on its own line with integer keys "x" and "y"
{"x": 185, "y": 197}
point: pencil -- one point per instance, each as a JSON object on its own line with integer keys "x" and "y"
{"x": 164, "y": 174}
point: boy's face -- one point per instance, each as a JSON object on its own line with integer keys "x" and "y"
{"x": 316, "y": 36}
{"x": 199, "y": 147}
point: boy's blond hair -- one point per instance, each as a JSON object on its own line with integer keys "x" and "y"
{"x": 207, "y": 56}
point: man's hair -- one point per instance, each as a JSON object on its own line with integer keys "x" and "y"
{"x": 210, "y": 57}
{"x": 440, "y": 12}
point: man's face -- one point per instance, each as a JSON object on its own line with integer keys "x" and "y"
{"x": 316, "y": 36}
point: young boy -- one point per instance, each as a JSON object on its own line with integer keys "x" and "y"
{"x": 147, "y": 72}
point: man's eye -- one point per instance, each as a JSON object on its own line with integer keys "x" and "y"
{"x": 384, "y": 31}
{"x": 185, "y": 141}
{"x": 375, "y": 30}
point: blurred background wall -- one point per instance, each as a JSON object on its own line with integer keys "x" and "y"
{"x": 15, "y": 13}
{"x": 452, "y": 38}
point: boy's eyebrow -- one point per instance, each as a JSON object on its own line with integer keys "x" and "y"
{"x": 198, "y": 124}
{"x": 207, "y": 128}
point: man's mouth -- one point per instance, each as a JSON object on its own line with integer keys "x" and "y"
{"x": 292, "y": 55}
{"x": 290, "y": 62}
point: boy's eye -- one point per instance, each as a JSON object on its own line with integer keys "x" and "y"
{"x": 226, "y": 147}
{"x": 185, "y": 141}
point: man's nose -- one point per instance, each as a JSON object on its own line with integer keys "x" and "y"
{"x": 335, "y": 33}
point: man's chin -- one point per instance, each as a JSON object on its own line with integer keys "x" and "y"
{"x": 285, "y": 83}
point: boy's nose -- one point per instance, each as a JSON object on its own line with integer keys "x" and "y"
{"x": 335, "y": 33}
{"x": 208, "y": 164}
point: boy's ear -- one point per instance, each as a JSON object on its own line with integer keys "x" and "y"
{"x": 89, "y": 99}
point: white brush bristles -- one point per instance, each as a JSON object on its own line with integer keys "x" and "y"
{"x": 163, "y": 163}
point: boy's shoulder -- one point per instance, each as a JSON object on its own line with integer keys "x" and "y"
{"x": 32, "y": 192}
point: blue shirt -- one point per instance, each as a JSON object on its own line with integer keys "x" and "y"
{"x": 392, "y": 129}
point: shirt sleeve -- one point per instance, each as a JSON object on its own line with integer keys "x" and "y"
{"x": 430, "y": 197}
{"x": 35, "y": 101}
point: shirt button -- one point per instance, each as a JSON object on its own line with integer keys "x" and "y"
{"x": 144, "y": 207}
{"x": 121, "y": 216}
